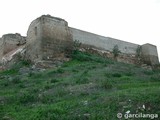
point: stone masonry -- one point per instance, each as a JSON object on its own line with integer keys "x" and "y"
{"x": 149, "y": 54}
{"x": 50, "y": 39}
{"x": 10, "y": 42}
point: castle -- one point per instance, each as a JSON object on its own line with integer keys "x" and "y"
{"x": 50, "y": 38}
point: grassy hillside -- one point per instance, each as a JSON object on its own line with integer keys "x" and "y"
{"x": 86, "y": 88}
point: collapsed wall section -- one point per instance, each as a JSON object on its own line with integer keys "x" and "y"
{"x": 10, "y": 42}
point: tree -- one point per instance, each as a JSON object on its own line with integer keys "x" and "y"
{"x": 116, "y": 51}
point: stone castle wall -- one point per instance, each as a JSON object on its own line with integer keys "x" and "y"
{"x": 10, "y": 42}
{"x": 56, "y": 39}
{"x": 1, "y": 49}
{"x": 34, "y": 35}
{"x": 49, "y": 39}
{"x": 150, "y": 54}
{"x": 101, "y": 42}
{"x": 148, "y": 51}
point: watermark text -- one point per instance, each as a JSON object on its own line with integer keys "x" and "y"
{"x": 138, "y": 115}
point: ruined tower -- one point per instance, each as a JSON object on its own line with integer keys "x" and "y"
{"x": 9, "y": 44}
{"x": 48, "y": 39}
{"x": 150, "y": 54}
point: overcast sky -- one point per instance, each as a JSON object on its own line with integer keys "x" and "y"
{"x": 136, "y": 21}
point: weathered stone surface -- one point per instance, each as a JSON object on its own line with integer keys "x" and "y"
{"x": 9, "y": 43}
{"x": 150, "y": 54}
{"x": 12, "y": 41}
{"x": 49, "y": 38}
{"x": 11, "y": 58}
{"x": 101, "y": 42}
{"x": 1, "y": 49}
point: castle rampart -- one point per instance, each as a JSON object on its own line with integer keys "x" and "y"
{"x": 10, "y": 42}
{"x": 50, "y": 38}
{"x": 148, "y": 52}
{"x": 104, "y": 43}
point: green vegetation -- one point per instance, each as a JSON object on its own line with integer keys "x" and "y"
{"x": 138, "y": 51}
{"x": 88, "y": 87}
{"x": 76, "y": 45}
{"x": 116, "y": 51}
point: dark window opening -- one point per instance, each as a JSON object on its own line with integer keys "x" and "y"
{"x": 35, "y": 30}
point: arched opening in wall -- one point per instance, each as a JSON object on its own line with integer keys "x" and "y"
{"x": 35, "y": 31}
